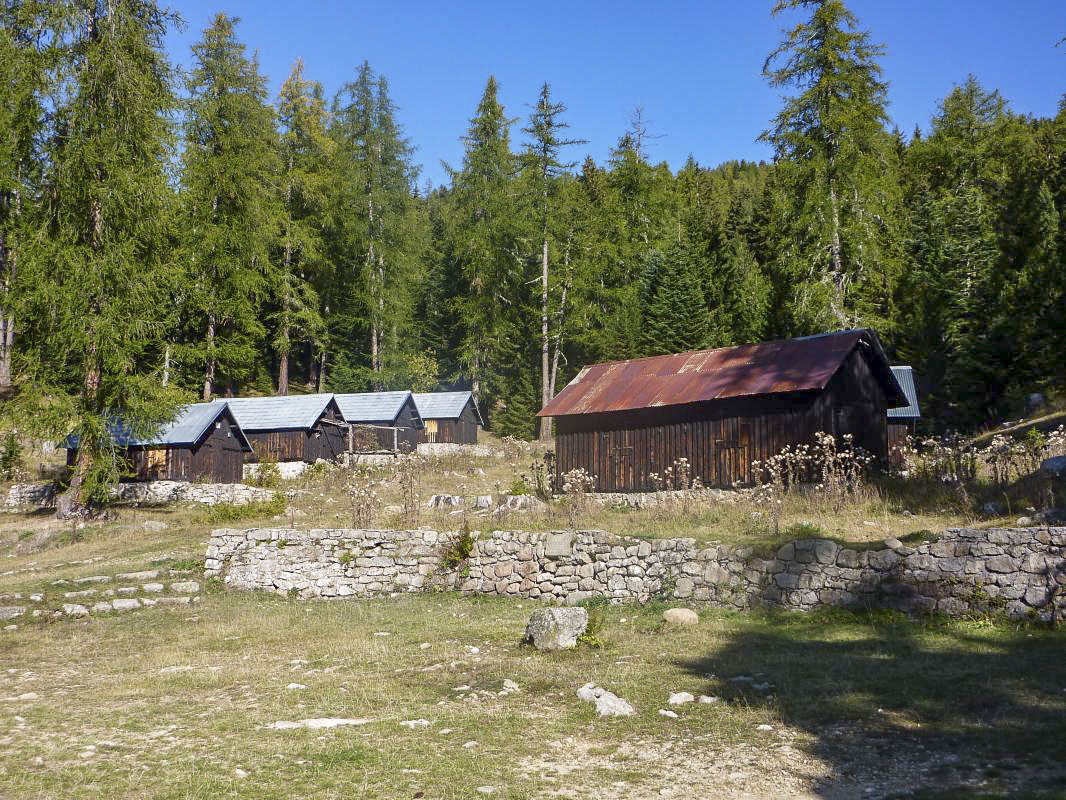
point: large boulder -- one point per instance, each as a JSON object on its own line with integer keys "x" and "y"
{"x": 681, "y": 616}
{"x": 556, "y": 628}
{"x": 520, "y": 502}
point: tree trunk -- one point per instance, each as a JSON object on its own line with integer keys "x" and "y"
{"x": 70, "y": 503}
{"x": 166, "y": 365}
{"x": 209, "y": 368}
{"x": 7, "y": 343}
{"x": 283, "y": 362}
{"x": 322, "y": 371}
{"x": 545, "y": 422}
{"x": 837, "y": 274}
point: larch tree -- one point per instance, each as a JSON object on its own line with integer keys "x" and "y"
{"x": 26, "y": 55}
{"x": 97, "y": 306}
{"x": 830, "y": 141}
{"x": 375, "y": 224}
{"x": 229, "y": 174}
{"x": 541, "y": 159}
{"x": 305, "y": 180}
{"x": 481, "y": 238}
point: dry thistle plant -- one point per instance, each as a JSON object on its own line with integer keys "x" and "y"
{"x": 577, "y": 483}
{"x": 408, "y": 476}
{"x": 363, "y": 495}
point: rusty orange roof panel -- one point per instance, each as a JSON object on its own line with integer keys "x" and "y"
{"x": 790, "y": 365}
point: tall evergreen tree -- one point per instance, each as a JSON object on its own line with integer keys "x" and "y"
{"x": 306, "y": 150}
{"x": 838, "y": 167}
{"x": 376, "y": 230}
{"x": 26, "y": 52}
{"x": 98, "y": 304}
{"x": 676, "y": 318}
{"x": 230, "y": 168}
{"x": 541, "y": 159}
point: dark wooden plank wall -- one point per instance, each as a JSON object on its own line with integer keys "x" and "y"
{"x": 720, "y": 439}
{"x": 217, "y": 458}
{"x": 375, "y": 438}
{"x": 456, "y": 431}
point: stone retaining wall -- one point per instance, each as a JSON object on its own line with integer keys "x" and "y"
{"x": 1019, "y": 571}
{"x": 36, "y": 495}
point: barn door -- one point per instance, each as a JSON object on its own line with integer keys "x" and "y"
{"x": 620, "y": 462}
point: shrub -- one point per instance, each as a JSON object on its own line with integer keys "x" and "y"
{"x": 228, "y": 512}
{"x": 458, "y": 550}
{"x": 10, "y": 458}
{"x": 803, "y": 530}
{"x": 267, "y": 474}
{"x": 593, "y": 634}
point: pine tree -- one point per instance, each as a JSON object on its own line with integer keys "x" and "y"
{"x": 306, "y": 150}
{"x": 97, "y": 304}
{"x": 676, "y": 318}
{"x": 230, "y": 167}
{"x": 838, "y": 171}
{"x": 541, "y": 160}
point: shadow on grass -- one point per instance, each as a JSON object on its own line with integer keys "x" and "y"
{"x": 899, "y": 707}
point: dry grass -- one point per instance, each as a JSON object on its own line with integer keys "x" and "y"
{"x": 174, "y": 703}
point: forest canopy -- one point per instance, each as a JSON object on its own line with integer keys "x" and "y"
{"x": 166, "y": 236}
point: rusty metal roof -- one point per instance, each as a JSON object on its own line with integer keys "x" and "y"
{"x": 791, "y": 365}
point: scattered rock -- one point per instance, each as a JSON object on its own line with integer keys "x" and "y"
{"x": 486, "y": 790}
{"x": 75, "y": 610}
{"x": 681, "y": 616}
{"x": 893, "y": 543}
{"x": 317, "y": 724}
{"x": 445, "y": 501}
{"x": 556, "y": 628}
{"x": 94, "y": 579}
{"x": 680, "y": 698}
{"x": 146, "y": 575}
{"x": 155, "y": 525}
{"x": 707, "y": 699}
{"x": 26, "y": 697}
{"x": 1024, "y": 522}
{"x": 153, "y": 587}
{"x": 10, "y": 612}
{"x": 520, "y": 502}
{"x": 764, "y": 728}
{"x": 607, "y": 703}
{"x": 185, "y": 587}
{"x": 295, "y": 686}
{"x": 125, "y": 604}
{"x": 667, "y": 713}
{"x": 240, "y": 773}
{"x": 415, "y": 723}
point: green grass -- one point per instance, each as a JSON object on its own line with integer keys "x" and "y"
{"x": 844, "y": 691}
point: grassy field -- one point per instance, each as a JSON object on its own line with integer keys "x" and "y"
{"x": 179, "y": 703}
{"x": 168, "y": 703}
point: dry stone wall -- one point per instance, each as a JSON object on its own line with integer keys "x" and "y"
{"x": 33, "y": 495}
{"x": 1017, "y": 571}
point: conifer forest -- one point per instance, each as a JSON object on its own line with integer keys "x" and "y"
{"x": 167, "y": 235}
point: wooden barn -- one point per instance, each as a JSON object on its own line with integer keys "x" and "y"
{"x": 449, "y": 416}
{"x": 300, "y": 427}
{"x": 203, "y": 442}
{"x": 721, "y": 409}
{"x": 903, "y": 420}
{"x": 381, "y": 421}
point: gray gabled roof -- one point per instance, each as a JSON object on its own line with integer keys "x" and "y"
{"x": 366, "y": 407}
{"x": 289, "y": 412}
{"x": 187, "y": 428}
{"x": 445, "y": 405}
{"x": 905, "y": 378}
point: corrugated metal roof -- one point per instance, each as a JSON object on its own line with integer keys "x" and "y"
{"x": 790, "y": 365}
{"x": 905, "y": 378}
{"x": 296, "y": 411}
{"x": 190, "y": 424}
{"x": 445, "y": 405}
{"x": 368, "y": 407}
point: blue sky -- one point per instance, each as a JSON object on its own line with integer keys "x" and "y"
{"x": 695, "y": 67}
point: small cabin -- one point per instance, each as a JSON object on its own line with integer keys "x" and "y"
{"x": 202, "y": 443}
{"x": 298, "y": 427}
{"x": 626, "y": 421}
{"x": 381, "y": 421}
{"x": 451, "y": 417}
{"x": 903, "y": 420}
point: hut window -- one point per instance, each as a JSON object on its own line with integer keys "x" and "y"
{"x": 318, "y": 434}
{"x": 218, "y": 425}
{"x": 157, "y": 458}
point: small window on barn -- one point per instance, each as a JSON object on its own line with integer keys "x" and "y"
{"x": 218, "y": 425}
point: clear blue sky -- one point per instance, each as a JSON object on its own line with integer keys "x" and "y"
{"x": 695, "y": 67}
